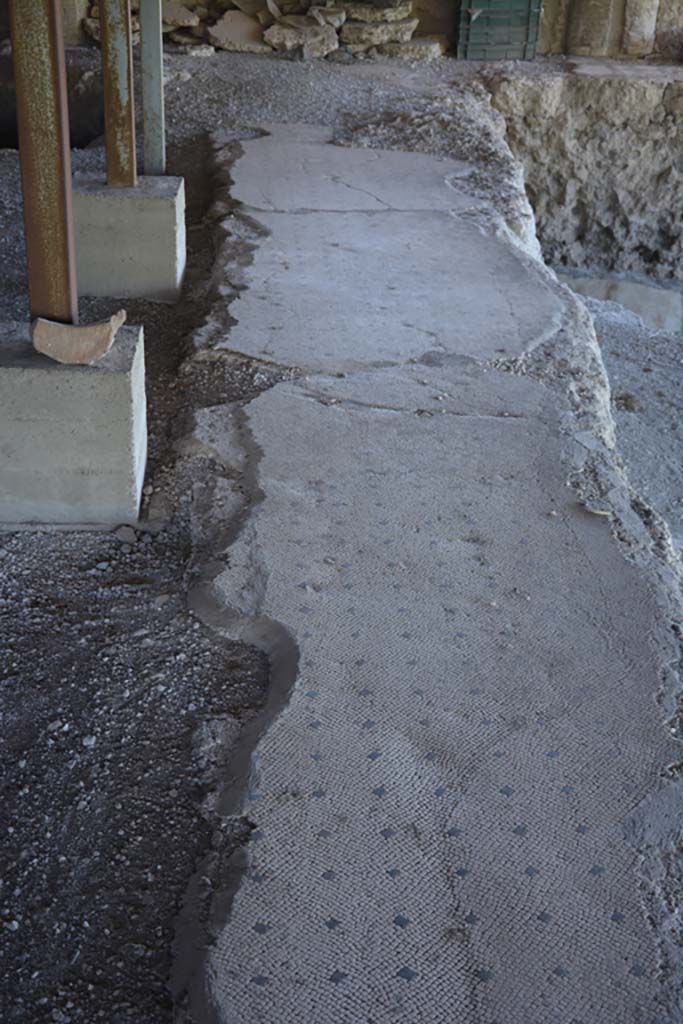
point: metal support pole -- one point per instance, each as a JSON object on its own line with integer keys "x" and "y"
{"x": 152, "y": 69}
{"x": 43, "y": 121}
{"x": 119, "y": 105}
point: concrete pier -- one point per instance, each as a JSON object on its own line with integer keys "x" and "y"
{"x": 130, "y": 242}
{"x": 74, "y": 439}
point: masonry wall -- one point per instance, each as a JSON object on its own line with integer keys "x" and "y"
{"x": 613, "y": 28}
{"x": 603, "y": 164}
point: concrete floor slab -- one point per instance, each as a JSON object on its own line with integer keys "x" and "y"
{"x": 447, "y": 282}
{"x": 445, "y": 285}
{"x": 440, "y": 808}
{"x": 311, "y": 175}
{"x": 464, "y": 661}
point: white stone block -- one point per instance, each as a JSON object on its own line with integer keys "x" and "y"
{"x": 130, "y": 242}
{"x": 639, "y": 27}
{"x": 73, "y": 439}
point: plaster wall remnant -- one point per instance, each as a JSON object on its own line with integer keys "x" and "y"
{"x": 552, "y": 33}
{"x": 603, "y": 161}
{"x": 660, "y": 308}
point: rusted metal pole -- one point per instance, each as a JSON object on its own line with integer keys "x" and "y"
{"x": 43, "y": 121}
{"x": 119, "y": 105}
{"x": 152, "y": 70}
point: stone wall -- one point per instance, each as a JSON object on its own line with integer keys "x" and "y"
{"x": 345, "y": 29}
{"x": 603, "y": 160}
{"x": 437, "y": 17}
{"x": 669, "y": 37}
{"x": 612, "y": 28}
{"x": 413, "y": 29}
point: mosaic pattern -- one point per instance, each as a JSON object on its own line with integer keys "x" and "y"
{"x": 440, "y": 807}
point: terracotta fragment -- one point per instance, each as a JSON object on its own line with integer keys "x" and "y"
{"x": 79, "y": 345}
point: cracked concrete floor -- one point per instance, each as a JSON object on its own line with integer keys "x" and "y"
{"x": 467, "y": 663}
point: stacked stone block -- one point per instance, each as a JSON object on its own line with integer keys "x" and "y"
{"x": 313, "y": 29}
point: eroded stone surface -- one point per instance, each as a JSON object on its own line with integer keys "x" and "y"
{"x": 603, "y": 158}
{"x": 335, "y": 16}
{"x": 639, "y": 27}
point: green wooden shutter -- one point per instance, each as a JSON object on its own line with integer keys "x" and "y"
{"x": 498, "y": 29}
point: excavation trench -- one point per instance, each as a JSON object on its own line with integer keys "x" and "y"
{"x": 603, "y": 166}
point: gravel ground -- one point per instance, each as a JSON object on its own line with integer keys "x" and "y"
{"x": 108, "y": 688}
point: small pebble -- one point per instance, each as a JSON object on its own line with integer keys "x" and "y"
{"x": 126, "y": 534}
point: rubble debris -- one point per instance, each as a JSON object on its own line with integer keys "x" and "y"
{"x": 420, "y": 48}
{"x": 369, "y": 12}
{"x": 315, "y": 29}
{"x": 175, "y": 15}
{"x": 203, "y": 50}
{"x": 335, "y": 16}
{"x": 367, "y": 34}
{"x": 239, "y": 32}
{"x": 317, "y": 40}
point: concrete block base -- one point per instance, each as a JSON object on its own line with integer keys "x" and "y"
{"x": 73, "y": 439}
{"x": 130, "y": 242}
